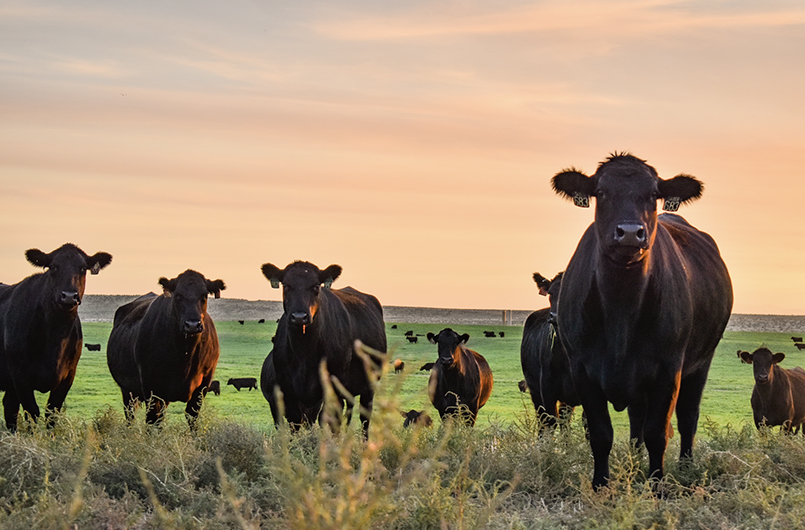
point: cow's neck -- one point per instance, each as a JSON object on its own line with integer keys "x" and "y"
{"x": 622, "y": 292}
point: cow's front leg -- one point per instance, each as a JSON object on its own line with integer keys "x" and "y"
{"x": 56, "y": 400}
{"x": 11, "y": 409}
{"x": 194, "y": 405}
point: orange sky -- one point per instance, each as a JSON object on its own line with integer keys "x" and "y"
{"x": 410, "y": 142}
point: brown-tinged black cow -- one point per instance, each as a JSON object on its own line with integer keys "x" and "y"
{"x": 545, "y": 364}
{"x": 778, "y": 397}
{"x": 165, "y": 348}
{"x": 215, "y": 387}
{"x": 40, "y": 331}
{"x": 460, "y": 377}
{"x": 643, "y": 304}
{"x": 322, "y": 324}
{"x": 399, "y": 365}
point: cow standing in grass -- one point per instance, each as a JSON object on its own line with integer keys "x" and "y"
{"x": 544, "y": 361}
{"x": 40, "y": 331}
{"x": 644, "y": 302}
{"x": 778, "y": 397}
{"x": 320, "y": 324}
{"x": 459, "y": 379}
{"x": 165, "y": 348}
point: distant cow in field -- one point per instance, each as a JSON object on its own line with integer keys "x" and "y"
{"x": 523, "y": 386}
{"x": 399, "y": 365}
{"x": 40, "y": 331}
{"x": 215, "y": 387}
{"x": 800, "y": 346}
{"x": 778, "y": 397}
{"x": 501, "y": 334}
{"x": 418, "y": 418}
{"x": 490, "y": 334}
{"x": 409, "y": 333}
{"x": 412, "y": 340}
{"x": 427, "y": 367}
{"x": 644, "y": 302}
{"x": 460, "y": 377}
{"x": 544, "y": 361}
{"x": 796, "y": 339}
{"x": 243, "y": 382}
{"x": 165, "y": 348}
{"x": 241, "y": 322}
{"x": 93, "y": 347}
{"x": 323, "y": 324}
{"x": 394, "y": 326}
{"x": 261, "y": 321}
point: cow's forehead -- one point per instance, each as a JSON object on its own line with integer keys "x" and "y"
{"x": 301, "y": 273}
{"x": 190, "y": 282}
{"x": 69, "y": 254}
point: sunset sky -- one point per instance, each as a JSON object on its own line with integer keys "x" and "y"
{"x": 410, "y": 142}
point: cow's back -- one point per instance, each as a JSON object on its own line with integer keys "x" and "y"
{"x": 366, "y": 315}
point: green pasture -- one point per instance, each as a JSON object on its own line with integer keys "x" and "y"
{"x": 243, "y": 348}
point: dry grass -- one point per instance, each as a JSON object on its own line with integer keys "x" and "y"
{"x": 104, "y": 473}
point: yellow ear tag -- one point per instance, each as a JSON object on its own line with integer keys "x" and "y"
{"x": 581, "y": 200}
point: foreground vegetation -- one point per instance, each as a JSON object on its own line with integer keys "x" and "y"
{"x": 99, "y": 472}
{"x": 236, "y": 471}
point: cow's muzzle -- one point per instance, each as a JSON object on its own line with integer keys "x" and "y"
{"x": 631, "y": 235}
{"x": 69, "y": 299}
{"x": 762, "y": 379}
{"x": 299, "y": 319}
{"x": 193, "y": 327}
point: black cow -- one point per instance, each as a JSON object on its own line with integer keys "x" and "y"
{"x": 243, "y": 382}
{"x": 643, "y": 304}
{"x": 40, "y": 331}
{"x": 800, "y": 346}
{"x": 322, "y": 324}
{"x": 409, "y": 333}
{"x": 412, "y": 340}
{"x": 490, "y": 334}
{"x": 460, "y": 377}
{"x": 427, "y": 367}
{"x": 93, "y": 347}
{"x": 215, "y": 387}
{"x": 261, "y": 321}
{"x": 417, "y": 418}
{"x": 165, "y": 348}
{"x": 796, "y": 339}
{"x": 545, "y": 365}
{"x": 501, "y": 334}
{"x": 522, "y": 385}
{"x": 778, "y": 397}
{"x": 241, "y": 322}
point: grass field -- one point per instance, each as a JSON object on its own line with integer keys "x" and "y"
{"x": 244, "y": 347}
{"x": 237, "y": 472}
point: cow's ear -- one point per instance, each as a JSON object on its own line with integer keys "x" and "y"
{"x": 168, "y": 286}
{"x": 98, "y": 261}
{"x": 575, "y": 185}
{"x": 214, "y": 287}
{"x": 38, "y": 258}
{"x": 464, "y": 338}
{"x": 777, "y": 358}
{"x": 273, "y": 273}
{"x": 745, "y": 356}
{"x": 681, "y": 189}
{"x": 431, "y": 338}
{"x": 329, "y": 275}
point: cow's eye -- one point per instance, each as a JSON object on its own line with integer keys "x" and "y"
{"x": 54, "y": 268}
{"x": 315, "y": 289}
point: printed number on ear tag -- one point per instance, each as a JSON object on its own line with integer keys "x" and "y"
{"x": 671, "y": 204}
{"x": 581, "y": 200}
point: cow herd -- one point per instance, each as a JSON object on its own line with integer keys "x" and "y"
{"x": 633, "y": 321}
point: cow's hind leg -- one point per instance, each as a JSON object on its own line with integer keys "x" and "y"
{"x": 129, "y": 404}
{"x": 155, "y": 411}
